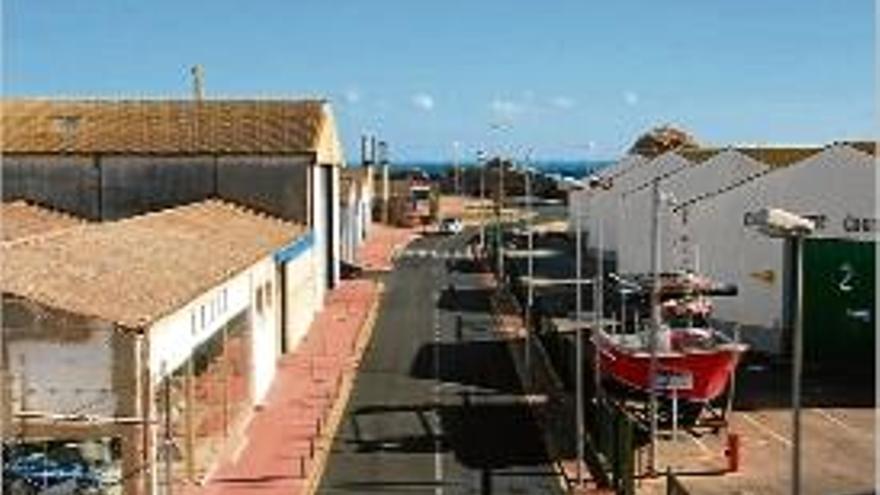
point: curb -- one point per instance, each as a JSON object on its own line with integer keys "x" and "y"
{"x": 334, "y": 418}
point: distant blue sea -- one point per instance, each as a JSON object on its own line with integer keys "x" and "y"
{"x": 574, "y": 169}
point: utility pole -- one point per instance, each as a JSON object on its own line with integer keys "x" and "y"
{"x": 655, "y": 323}
{"x": 579, "y": 348}
{"x": 598, "y": 310}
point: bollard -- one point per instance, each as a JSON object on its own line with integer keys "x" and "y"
{"x": 318, "y": 426}
{"x": 302, "y": 467}
{"x": 311, "y": 448}
{"x": 732, "y": 452}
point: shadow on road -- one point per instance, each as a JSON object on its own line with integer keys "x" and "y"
{"x": 465, "y": 300}
{"x": 481, "y": 436}
{"x": 484, "y": 364}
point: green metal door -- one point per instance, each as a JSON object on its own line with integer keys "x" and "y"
{"x": 838, "y": 302}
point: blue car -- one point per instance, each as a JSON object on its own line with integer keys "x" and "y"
{"x": 30, "y": 469}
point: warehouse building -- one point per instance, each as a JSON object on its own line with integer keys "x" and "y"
{"x": 112, "y": 159}
{"x": 356, "y": 206}
{"x": 141, "y": 345}
{"x": 835, "y": 188}
{"x": 600, "y": 205}
{"x": 708, "y": 197}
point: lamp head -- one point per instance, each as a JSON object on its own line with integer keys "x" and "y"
{"x": 775, "y": 222}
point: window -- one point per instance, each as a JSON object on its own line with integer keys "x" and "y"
{"x": 267, "y": 288}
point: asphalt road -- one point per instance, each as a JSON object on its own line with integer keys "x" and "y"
{"x": 437, "y": 406}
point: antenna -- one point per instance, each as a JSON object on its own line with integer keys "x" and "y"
{"x": 198, "y": 75}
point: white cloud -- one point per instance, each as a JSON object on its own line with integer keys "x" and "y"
{"x": 562, "y": 102}
{"x": 352, "y": 95}
{"x": 506, "y": 108}
{"x": 631, "y": 98}
{"x": 423, "y": 101}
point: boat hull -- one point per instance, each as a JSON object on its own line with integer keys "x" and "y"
{"x": 699, "y": 375}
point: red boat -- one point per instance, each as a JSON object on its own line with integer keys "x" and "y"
{"x": 697, "y": 363}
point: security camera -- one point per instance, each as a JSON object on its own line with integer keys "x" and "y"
{"x": 781, "y": 223}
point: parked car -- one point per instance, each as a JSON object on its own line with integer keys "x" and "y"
{"x": 61, "y": 470}
{"x": 451, "y": 226}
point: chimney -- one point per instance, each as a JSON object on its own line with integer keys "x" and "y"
{"x": 373, "y": 149}
{"x": 382, "y": 152}
{"x": 364, "y": 159}
{"x": 198, "y": 75}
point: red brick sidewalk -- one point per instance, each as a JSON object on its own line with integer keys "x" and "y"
{"x": 286, "y": 441}
{"x": 378, "y": 253}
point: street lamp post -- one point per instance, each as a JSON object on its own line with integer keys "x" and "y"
{"x": 499, "y": 232}
{"x": 598, "y": 310}
{"x": 782, "y": 224}
{"x": 530, "y": 291}
{"x": 579, "y": 346}
{"x": 482, "y": 164}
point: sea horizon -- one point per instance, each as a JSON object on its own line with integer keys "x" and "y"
{"x": 567, "y": 168}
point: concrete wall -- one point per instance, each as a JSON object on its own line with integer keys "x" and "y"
{"x": 173, "y": 338}
{"x": 604, "y": 204}
{"x": 66, "y": 183}
{"x": 132, "y": 185}
{"x": 67, "y": 364}
{"x": 63, "y": 363}
{"x": 636, "y": 212}
{"x": 836, "y": 184}
{"x": 276, "y": 185}
{"x": 265, "y": 326}
{"x": 300, "y": 292}
{"x": 111, "y": 187}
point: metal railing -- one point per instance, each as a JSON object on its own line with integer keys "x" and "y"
{"x": 612, "y": 433}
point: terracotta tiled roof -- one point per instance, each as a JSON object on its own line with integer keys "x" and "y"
{"x": 135, "y": 271}
{"x": 779, "y": 156}
{"x": 162, "y": 126}
{"x": 19, "y": 219}
{"x": 699, "y": 155}
{"x": 869, "y": 147}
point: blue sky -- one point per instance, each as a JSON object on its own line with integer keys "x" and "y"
{"x": 568, "y": 79}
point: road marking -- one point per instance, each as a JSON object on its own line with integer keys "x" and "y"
{"x": 701, "y": 445}
{"x": 837, "y": 421}
{"x": 434, "y": 254}
{"x": 757, "y": 424}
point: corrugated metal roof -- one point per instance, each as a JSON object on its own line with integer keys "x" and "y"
{"x": 135, "y": 271}
{"x": 162, "y": 126}
{"x": 19, "y": 219}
